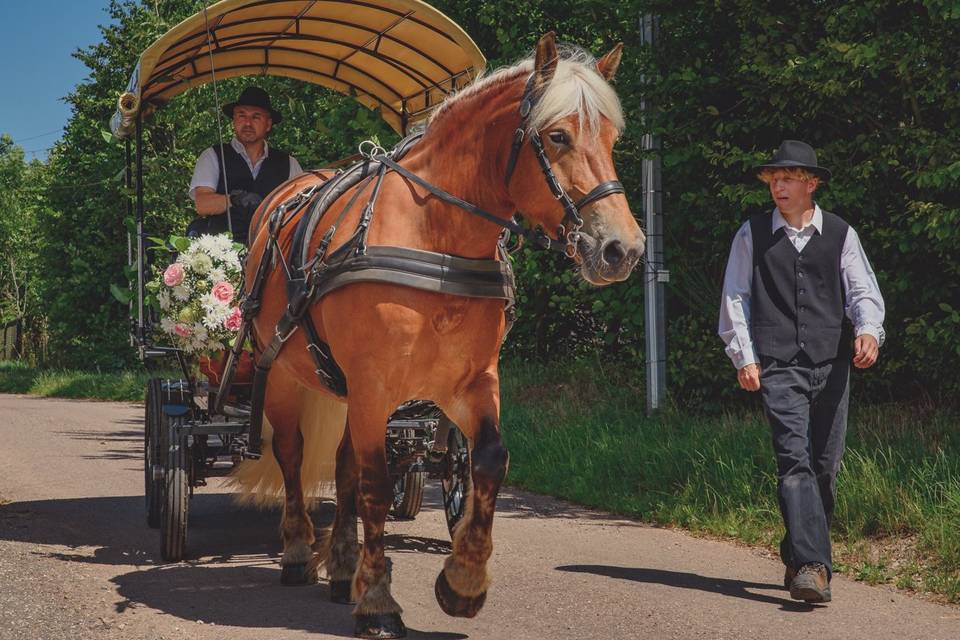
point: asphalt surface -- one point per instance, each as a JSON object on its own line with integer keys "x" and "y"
{"x": 77, "y": 560}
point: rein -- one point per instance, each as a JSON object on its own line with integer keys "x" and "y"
{"x": 568, "y": 232}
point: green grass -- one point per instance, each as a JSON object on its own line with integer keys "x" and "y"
{"x": 581, "y": 433}
{"x": 121, "y": 386}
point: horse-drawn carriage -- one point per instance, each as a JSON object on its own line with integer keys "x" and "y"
{"x": 195, "y": 426}
{"x": 382, "y": 282}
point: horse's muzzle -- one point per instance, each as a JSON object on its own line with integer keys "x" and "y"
{"x": 609, "y": 260}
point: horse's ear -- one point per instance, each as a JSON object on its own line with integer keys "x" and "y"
{"x": 607, "y": 65}
{"x": 546, "y": 60}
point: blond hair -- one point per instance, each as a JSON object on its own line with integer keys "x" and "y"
{"x": 798, "y": 173}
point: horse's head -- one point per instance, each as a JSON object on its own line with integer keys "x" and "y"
{"x": 578, "y": 118}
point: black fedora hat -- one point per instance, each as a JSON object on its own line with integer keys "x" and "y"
{"x": 794, "y": 154}
{"x": 254, "y": 97}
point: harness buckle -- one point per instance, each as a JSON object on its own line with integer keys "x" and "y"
{"x": 286, "y": 336}
{"x": 526, "y": 107}
{"x": 573, "y": 240}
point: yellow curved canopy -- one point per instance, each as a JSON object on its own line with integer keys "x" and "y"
{"x": 402, "y": 57}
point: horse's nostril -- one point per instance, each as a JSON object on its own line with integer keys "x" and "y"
{"x": 613, "y": 253}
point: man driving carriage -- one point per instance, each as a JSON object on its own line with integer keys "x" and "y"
{"x": 239, "y": 175}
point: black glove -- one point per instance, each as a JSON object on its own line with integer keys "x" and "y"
{"x": 245, "y": 202}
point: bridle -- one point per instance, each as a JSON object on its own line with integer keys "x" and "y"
{"x": 569, "y": 229}
{"x": 568, "y": 232}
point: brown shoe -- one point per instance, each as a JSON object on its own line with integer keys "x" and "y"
{"x": 811, "y": 584}
{"x": 788, "y": 575}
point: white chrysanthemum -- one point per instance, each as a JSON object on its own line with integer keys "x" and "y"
{"x": 164, "y": 299}
{"x": 215, "y": 312}
{"x": 181, "y": 292}
{"x": 200, "y": 262}
{"x": 217, "y": 274}
{"x": 167, "y": 324}
{"x": 222, "y": 242}
{"x": 207, "y": 244}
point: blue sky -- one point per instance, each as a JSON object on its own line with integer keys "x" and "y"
{"x": 38, "y": 70}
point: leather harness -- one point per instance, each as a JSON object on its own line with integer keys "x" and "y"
{"x": 310, "y": 277}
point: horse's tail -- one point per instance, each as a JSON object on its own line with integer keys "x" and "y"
{"x": 322, "y": 419}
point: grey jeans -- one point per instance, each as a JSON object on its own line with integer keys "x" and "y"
{"x": 806, "y": 406}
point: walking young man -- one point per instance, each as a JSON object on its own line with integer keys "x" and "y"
{"x": 793, "y": 277}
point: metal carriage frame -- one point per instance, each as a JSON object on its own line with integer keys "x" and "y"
{"x": 401, "y": 57}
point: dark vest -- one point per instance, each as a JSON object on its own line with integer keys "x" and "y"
{"x": 797, "y": 299}
{"x": 274, "y": 171}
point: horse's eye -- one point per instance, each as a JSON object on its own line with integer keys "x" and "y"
{"x": 559, "y": 137}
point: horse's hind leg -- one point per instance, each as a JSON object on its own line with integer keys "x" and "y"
{"x": 343, "y": 550}
{"x": 296, "y": 529}
{"x": 377, "y": 614}
{"x": 461, "y": 587}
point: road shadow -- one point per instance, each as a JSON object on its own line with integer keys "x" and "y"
{"x": 406, "y": 543}
{"x": 219, "y": 530}
{"x": 242, "y": 596}
{"x": 513, "y": 503}
{"x": 683, "y": 580}
{"x": 123, "y": 445}
{"x": 116, "y": 530}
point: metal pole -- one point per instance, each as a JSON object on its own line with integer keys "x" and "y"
{"x": 141, "y": 250}
{"x": 654, "y": 274}
{"x": 128, "y": 183}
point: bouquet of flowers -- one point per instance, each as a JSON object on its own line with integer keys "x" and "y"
{"x": 197, "y": 295}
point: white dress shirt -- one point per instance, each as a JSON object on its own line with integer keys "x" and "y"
{"x": 207, "y": 171}
{"x": 864, "y": 304}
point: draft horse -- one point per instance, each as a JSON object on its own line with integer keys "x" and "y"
{"x": 450, "y": 194}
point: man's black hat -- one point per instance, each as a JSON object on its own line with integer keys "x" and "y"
{"x": 254, "y": 97}
{"x": 794, "y": 154}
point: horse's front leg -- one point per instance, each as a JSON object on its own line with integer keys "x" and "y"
{"x": 377, "y": 613}
{"x": 461, "y": 587}
{"x": 296, "y": 529}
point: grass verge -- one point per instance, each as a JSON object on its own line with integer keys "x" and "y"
{"x": 581, "y": 433}
{"x": 120, "y": 386}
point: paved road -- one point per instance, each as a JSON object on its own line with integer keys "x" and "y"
{"x": 78, "y": 561}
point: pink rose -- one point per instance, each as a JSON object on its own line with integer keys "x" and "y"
{"x": 223, "y": 291}
{"x": 173, "y": 275}
{"x": 232, "y": 322}
{"x": 182, "y": 330}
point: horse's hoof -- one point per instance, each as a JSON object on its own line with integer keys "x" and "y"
{"x": 340, "y": 592}
{"x": 454, "y": 604}
{"x": 380, "y": 626}
{"x": 295, "y": 575}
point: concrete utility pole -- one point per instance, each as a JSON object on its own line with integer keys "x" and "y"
{"x": 654, "y": 274}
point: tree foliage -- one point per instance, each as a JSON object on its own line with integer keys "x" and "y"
{"x": 872, "y": 85}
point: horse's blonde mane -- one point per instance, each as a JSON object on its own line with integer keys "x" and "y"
{"x": 576, "y": 89}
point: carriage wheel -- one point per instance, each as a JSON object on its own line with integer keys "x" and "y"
{"x": 408, "y": 494}
{"x": 457, "y": 478}
{"x": 173, "y": 522}
{"x": 152, "y": 425}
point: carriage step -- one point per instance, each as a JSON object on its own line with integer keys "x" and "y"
{"x": 236, "y": 411}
